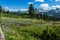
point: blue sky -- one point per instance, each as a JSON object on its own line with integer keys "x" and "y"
{"x": 24, "y": 4}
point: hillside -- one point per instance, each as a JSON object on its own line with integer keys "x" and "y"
{"x": 29, "y": 29}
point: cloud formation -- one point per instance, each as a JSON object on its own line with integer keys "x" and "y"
{"x": 7, "y": 8}
{"x": 39, "y": 0}
{"x": 30, "y": 2}
{"x": 57, "y": 0}
{"x": 54, "y": 7}
{"x": 47, "y": 7}
{"x": 23, "y": 10}
{"x": 44, "y": 6}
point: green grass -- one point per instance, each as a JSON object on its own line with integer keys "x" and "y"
{"x": 28, "y": 29}
{"x": 20, "y": 28}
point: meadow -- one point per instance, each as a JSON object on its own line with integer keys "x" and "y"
{"x": 30, "y": 29}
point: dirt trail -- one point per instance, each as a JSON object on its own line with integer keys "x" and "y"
{"x": 1, "y": 34}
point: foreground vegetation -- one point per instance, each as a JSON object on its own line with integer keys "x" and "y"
{"x": 29, "y": 29}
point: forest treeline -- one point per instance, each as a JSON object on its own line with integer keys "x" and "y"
{"x": 29, "y": 14}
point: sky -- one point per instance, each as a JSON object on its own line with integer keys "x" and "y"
{"x": 14, "y": 5}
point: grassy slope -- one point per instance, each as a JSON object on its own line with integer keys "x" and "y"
{"x": 20, "y": 29}
{"x": 25, "y": 29}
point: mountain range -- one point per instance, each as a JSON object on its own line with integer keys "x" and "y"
{"x": 52, "y": 12}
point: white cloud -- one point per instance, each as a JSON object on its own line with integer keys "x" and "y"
{"x": 44, "y": 6}
{"x": 57, "y": 0}
{"x": 57, "y": 6}
{"x": 7, "y": 8}
{"x": 47, "y": 7}
{"x": 39, "y": 0}
{"x": 23, "y": 10}
{"x": 30, "y": 2}
{"x": 54, "y": 7}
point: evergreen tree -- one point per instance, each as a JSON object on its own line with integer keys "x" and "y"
{"x": 31, "y": 11}
{"x": 45, "y": 17}
{"x": 0, "y": 8}
{"x": 8, "y": 12}
{"x": 0, "y": 11}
